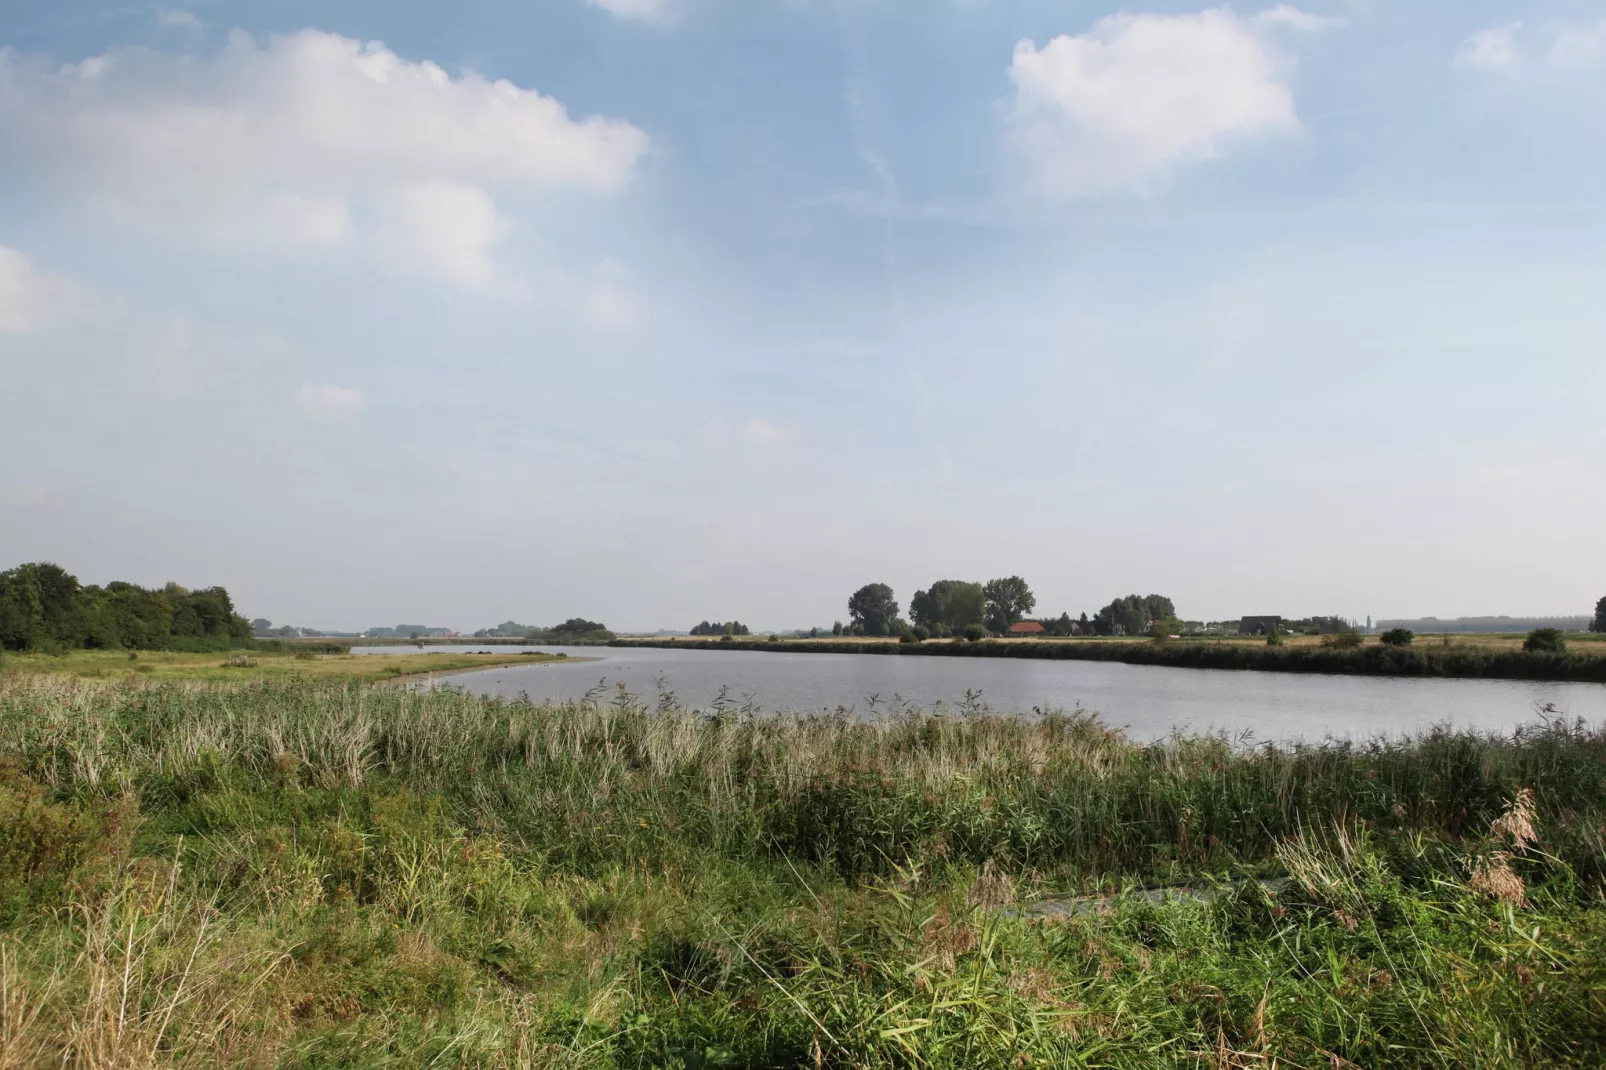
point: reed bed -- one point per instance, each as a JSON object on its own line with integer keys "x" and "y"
{"x": 309, "y": 873}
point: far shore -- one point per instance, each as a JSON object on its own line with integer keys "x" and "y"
{"x": 1459, "y": 656}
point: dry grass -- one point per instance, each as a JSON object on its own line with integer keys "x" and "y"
{"x": 267, "y": 665}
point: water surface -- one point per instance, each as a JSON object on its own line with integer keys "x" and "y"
{"x": 1148, "y": 701}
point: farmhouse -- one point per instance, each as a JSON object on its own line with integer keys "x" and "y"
{"x": 1258, "y": 625}
{"x": 1025, "y": 628}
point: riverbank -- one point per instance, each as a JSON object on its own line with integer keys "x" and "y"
{"x": 325, "y": 874}
{"x": 239, "y": 666}
{"x": 1427, "y": 659}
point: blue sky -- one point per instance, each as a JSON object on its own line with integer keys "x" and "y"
{"x": 661, "y": 310}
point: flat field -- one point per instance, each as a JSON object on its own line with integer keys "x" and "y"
{"x": 239, "y": 666}
{"x": 319, "y": 873}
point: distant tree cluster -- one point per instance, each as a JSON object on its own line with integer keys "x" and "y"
{"x": 573, "y": 630}
{"x": 946, "y": 608}
{"x": 407, "y": 631}
{"x": 508, "y": 629}
{"x": 734, "y": 627}
{"x": 1136, "y": 615}
{"x": 43, "y": 607}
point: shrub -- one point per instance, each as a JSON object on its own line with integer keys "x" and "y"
{"x": 1398, "y": 637}
{"x": 1349, "y": 639}
{"x": 908, "y": 636}
{"x": 975, "y": 632}
{"x": 1545, "y": 641}
{"x": 922, "y": 632}
{"x": 1275, "y": 637}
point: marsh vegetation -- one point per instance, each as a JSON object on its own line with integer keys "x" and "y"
{"x": 310, "y": 873}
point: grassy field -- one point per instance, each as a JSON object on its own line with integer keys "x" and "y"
{"x": 1587, "y": 642}
{"x": 320, "y": 873}
{"x": 238, "y": 666}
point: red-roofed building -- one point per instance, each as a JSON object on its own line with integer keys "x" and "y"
{"x": 1025, "y": 628}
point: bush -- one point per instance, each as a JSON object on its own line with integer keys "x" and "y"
{"x": 1349, "y": 639}
{"x": 908, "y": 636}
{"x": 1275, "y": 637}
{"x": 1545, "y": 641}
{"x": 975, "y": 633}
{"x": 922, "y": 632}
{"x": 1398, "y": 637}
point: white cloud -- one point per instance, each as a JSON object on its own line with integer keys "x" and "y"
{"x": 179, "y": 19}
{"x": 1584, "y": 44}
{"x": 311, "y": 139}
{"x": 1138, "y": 95}
{"x": 762, "y": 433}
{"x": 633, "y": 9}
{"x": 30, "y": 299}
{"x": 1493, "y": 49}
{"x": 329, "y": 404}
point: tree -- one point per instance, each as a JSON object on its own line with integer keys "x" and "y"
{"x": 1397, "y": 637}
{"x": 1008, "y": 600}
{"x": 1545, "y": 641}
{"x": 949, "y": 606}
{"x": 873, "y": 609}
{"x": 1062, "y": 625}
{"x": 836, "y": 628}
{"x": 1599, "y": 623}
{"x": 1133, "y": 615}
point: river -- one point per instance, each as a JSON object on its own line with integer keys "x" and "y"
{"x": 1149, "y": 702}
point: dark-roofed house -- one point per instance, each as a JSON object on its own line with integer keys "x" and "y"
{"x": 1258, "y": 625}
{"x": 1025, "y": 628}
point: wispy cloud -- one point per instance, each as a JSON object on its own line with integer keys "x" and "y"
{"x": 31, "y": 299}
{"x": 763, "y": 433}
{"x": 1492, "y": 49}
{"x": 329, "y": 404}
{"x": 1501, "y": 49}
{"x": 178, "y": 19}
{"x": 644, "y": 10}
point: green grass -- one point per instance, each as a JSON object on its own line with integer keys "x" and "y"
{"x": 308, "y": 873}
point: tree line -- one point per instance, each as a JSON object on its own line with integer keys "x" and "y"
{"x": 45, "y": 607}
{"x": 734, "y": 627}
{"x": 950, "y": 608}
{"x": 575, "y": 630}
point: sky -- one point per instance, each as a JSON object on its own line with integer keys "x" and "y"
{"x": 656, "y": 311}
